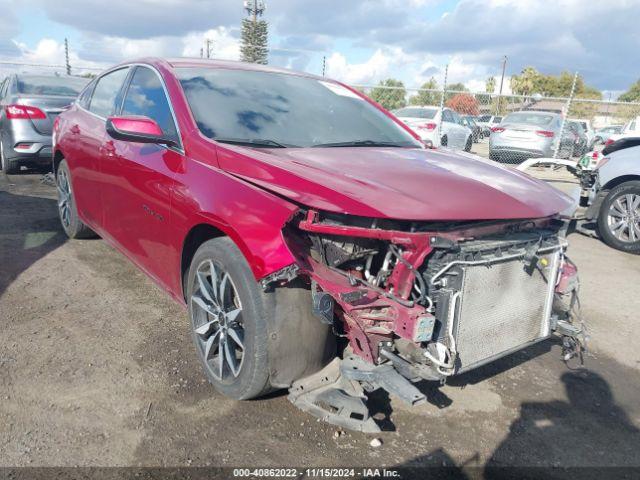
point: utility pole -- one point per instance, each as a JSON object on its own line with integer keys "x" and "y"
{"x": 66, "y": 56}
{"x": 504, "y": 66}
{"x": 324, "y": 64}
{"x": 254, "y": 8}
{"x": 209, "y": 44}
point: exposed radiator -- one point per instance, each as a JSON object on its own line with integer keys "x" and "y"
{"x": 502, "y": 307}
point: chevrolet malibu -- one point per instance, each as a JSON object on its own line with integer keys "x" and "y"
{"x": 314, "y": 241}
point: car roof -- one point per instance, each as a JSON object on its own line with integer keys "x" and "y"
{"x": 186, "y": 62}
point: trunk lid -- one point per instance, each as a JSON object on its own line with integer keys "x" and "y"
{"x": 51, "y": 105}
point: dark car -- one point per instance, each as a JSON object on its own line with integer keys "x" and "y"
{"x": 581, "y": 145}
{"x": 476, "y": 131}
{"x": 291, "y": 215}
{"x": 30, "y": 104}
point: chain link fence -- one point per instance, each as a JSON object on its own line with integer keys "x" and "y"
{"x": 503, "y": 127}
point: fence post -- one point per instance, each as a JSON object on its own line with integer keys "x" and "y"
{"x": 564, "y": 117}
{"x": 444, "y": 89}
{"x": 66, "y": 56}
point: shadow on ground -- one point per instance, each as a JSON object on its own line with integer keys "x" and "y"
{"x": 587, "y": 436}
{"x": 25, "y": 237}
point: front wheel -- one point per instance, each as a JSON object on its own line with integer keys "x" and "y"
{"x": 619, "y": 218}
{"x": 228, "y": 323}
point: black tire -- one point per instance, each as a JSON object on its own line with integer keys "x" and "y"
{"x": 443, "y": 141}
{"x": 604, "y": 228}
{"x": 252, "y": 379}
{"x": 67, "y": 211}
{"x": 493, "y": 156}
{"x": 469, "y": 144}
{"x": 7, "y": 165}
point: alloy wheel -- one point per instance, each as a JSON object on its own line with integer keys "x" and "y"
{"x": 217, "y": 321}
{"x": 65, "y": 198}
{"x": 623, "y": 218}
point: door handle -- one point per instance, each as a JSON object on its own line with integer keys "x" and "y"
{"x": 75, "y": 129}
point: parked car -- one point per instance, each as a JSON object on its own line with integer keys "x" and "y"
{"x": 588, "y": 131}
{"x": 425, "y": 121}
{"x": 581, "y": 139}
{"x": 487, "y": 122}
{"x": 284, "y": 209}
{"x": 612, "y": 191}
{"x": 620, "y": 144}
{"x": 630, "y": 129}
{"x": 469, "y": 122}
{"x": 529, "y": 134}
{"x": 29, "y": 105}
{"x": 603, "y": 134}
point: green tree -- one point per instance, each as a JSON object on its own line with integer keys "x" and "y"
{"x": 631, "y": 95}
{"x": 254, "y": 40}
{"x": 427, "y": 98}
{"x": 531, "y": 81}
{"x": 390, "y": 98}
{"x": 457, "y": 87}
{"x": 490, "y": 85}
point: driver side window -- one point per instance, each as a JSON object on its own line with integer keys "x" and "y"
{"x": 145, "y": 96}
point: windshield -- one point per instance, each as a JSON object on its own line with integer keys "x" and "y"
{"x": 44, "y": 85}
{"x": 484, "y": 118}
{"x": 283, "y": 110}
{"x": 528, "y": 119}
{"x": 428, "y": 113}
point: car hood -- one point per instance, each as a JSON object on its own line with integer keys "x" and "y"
{"x": 398, "y": 183}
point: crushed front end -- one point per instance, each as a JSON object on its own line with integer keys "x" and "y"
{"x": 424, "y": 300}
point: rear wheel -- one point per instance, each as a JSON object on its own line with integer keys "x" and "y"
{"x": 7, "y": 165}
{"x": 619, "y": 217}
{"x": 71, "y": 223}
{"x": 467, "y": 147}
{"x": 443, "y": 141}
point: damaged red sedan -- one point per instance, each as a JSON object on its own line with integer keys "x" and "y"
{"x": 317, "y": 244}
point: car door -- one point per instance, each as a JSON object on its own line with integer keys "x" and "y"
{"x": 138, "y": 178}
{"x": 447, "y": 128}
{"x": 459, "y": 132}
{"x": 87, "y": 134}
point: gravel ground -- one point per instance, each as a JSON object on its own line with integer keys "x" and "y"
{"x": 97, "y": 369}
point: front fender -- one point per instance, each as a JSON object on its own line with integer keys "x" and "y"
{"x": 253, "y": 218}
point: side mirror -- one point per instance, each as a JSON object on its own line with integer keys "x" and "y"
{"x": 137, "y": 129}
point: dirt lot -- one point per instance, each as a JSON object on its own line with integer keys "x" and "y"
{"x": 97, "y": 368}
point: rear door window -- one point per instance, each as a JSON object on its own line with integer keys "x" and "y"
{"x": 146, "y": 96}
{"x": 446, "y": 116}
{"x": 105, "y": 94}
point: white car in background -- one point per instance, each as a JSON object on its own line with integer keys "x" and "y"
{"x": 487, "y": 122}
{"x": 631, "y": 129}
{"x": 425, "y": 121}
{"x": 612, "y": 193}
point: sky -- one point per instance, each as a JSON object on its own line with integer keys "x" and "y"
{"x": 361, "y": 41}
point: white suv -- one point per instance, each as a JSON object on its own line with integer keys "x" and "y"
{"x": 425, "y": 121}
